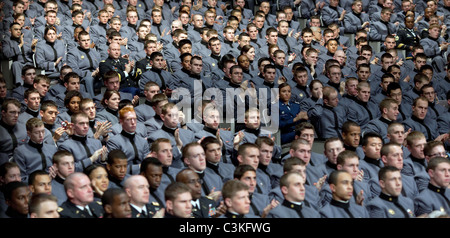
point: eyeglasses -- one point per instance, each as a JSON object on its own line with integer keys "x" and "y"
{"x": 439, "y": 154}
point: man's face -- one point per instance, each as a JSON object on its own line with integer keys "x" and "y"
{"x": 33, "y": 101}
{"x": 139, "y": 190}
{"x": 132, "y": 17}
{"x": 397, "y": 95}
{"x": 303, "y": 152}
{"x": 237, "y": 76}
{"x": 212, "y": 119}
{"x": 10, "y": 115}
{"x": 343, "y": 189}
{"x": 351, "y": 87}
{"x": 184, "y": 18}
{"x": 352, "y": 137}
{"x": 301, "y": 78}
{"x": 164, "y": 154}
{"x": 351, "y": 165}
{"x": 81, "y": 193}
{"x": 440, "y": 176}
{"x": 283, "y": 28}
{"x": 386, "y": 62}
{"x": 253, "y": 120}
{"x": 392, "y": 112}
{"x": 308, "y": 135}
{"x": 279, "y": 59}
{"x": 332, "y": 151}
{"x": 196, "y": 159}
{"x": 152, "y": 91}
{"x": 332, "y": 46}
{"x": 29, "y": 76}
{"x": 364, "y": 94}
{"x": 37, "y": 134}
{"x": 272, "y": 38}
{"x": 419, "y": 62}
{"x": 19, "y": 200}
{"x": 47, "y": 209}
{"x": 142, "y": 32}
{"x": 312, "y": 58}
{"x": 386, "y": 16}
{"x": 239, "y": 203}
{"x": 213, "y": 153}
{"x": 171, "y": 119}
{"x": 394, "y": 157}
{"x": 373, "y": 147}
{"x": 84, "y": 41}
{"x": 420, "y": 110}
{"x": 81, "y": 126}
{"x": 16, "y": 31}
{"x": 198, "y": 21}
{"x": 265, "y": 7}
{"x": 118, "y": 169}
{"x": 215, "y": 47}
{"x": 250, "y": 157}
{"x": 335, "y": 74}
{"x": 249, "y": 178}
{"x": 269, "y": 75}
{"x": 416, "y": 148}
{"x": 397, "y": 135}
{"x": 90, "y": 110}
{"x": 253, "y": 32}
{"x": 156, "y": 17}
{"x": 429, "y": 94}
{"x": 392, "y": 184}
{"x": 3, "y": 90}
{"x": 114, "y": 51}
{"x": 73, "y": 84}
{"x": 363, "y": 73}
{"x": 357, "y": 8}
{"x": 158, "y": 62}
{"x": 65, "y": 166}
{"x": 295, "y": 192}
{"x": 196, "y": 66}
{"x": 265, "y": 154}
{"x": 181, "y": 206}
{"x": 42, "y": 86}
{"x": 120, "y": 206}
{"x": 129, "y": 122}
{"x": 154, "y": 175}
{"x": 78, "y": 19}
{"x": 41, "y": 184}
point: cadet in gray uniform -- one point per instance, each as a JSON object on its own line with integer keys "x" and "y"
{"x": 436, "y": 196}
{"x": 293, "y": 205}
{"x": 133, "y": 145}
{"x": 35, "y": 154}
{"x": 341, "y": 185}
{"x": 152, "y": 170}
{"x": 64, "y": 164}
{"x": 213, "y": 153}
{"x": 86, "y": 150}
{"x": 389, "y": 112}
{"x": 390, "y": 203}
{"x": 11, "y": 133}
{"x": 232, "y": 192}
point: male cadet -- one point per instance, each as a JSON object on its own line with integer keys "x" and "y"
{"x": 178, "y": 201}
{"x": 145, "y": 63}
{"x": 71, "y": 83}
{"x": 137, "y": 189}
{"x": 85, "y": 61}
{"x": 111, "y": 80}
{"x": 173, "y": 51}
{"x": 356, "y": 19}
{"x": 299, "y": 85}
{"x": 212, "y": 60}
{"x": 436, "y": 196}
{"x": 389, "y": 113}
{"x": 64, "y": 165}
{"x": 137, "y": 46}
{"x": 415, "y": 164}
{"x": 122, "y": 66}
{"x": 132, "y": 144}
{"x": 293, "y": 206}
{"x": 211, "y": 120}
{"x": 16, "y": 195}
{"x": 236, "y": 199}
{"x": 351, "y": 136}
{"x": 348, "y": 161}
{"x": 194, "y": 158}
{"x": 155, "y": 122}
{"x": 170, "y": 115}
{"x": 383, "y": 27}
{"x": 213, "y": 153}
{"x": 331, "y": 149}
{"x": 341, "y": 185}
{"x": 86, "y": 150}
{"x": 419, "y": 121}
{"x": 80, "y": 198}
{"x": 327, "y": 115}
{"x": 14, "y": 48}
{"x": 434, "y": 109}
{"x": 392, "y": 155}
{"x": 39, "y": 182}
{"x": 202, "y": 206}
{"x": 394, "y": 91}
{"x": 35, "y": 154}
{"x": 157, "y": 73}
{"x": 390, "y": 203}
{"x": 362, "y": 110}
{"x": 266, "y": 166}
{"x": 32, "y": 101}
{"x": 371, "y": 163}
{"x": 43, "y": 206}
{"x": 145, "y": 111}
{"x": 435, "y": 47}
{"x": 152, "y": 170}
{"x": 98, "y": 31}
{"x": 12, "y": 134}
{"x": 28, "y": 74}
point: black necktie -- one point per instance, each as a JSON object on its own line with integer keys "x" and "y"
{"x": 82, "y": 140}
{"x": 39, "y": 149}
{"x": 131, "y": 138}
